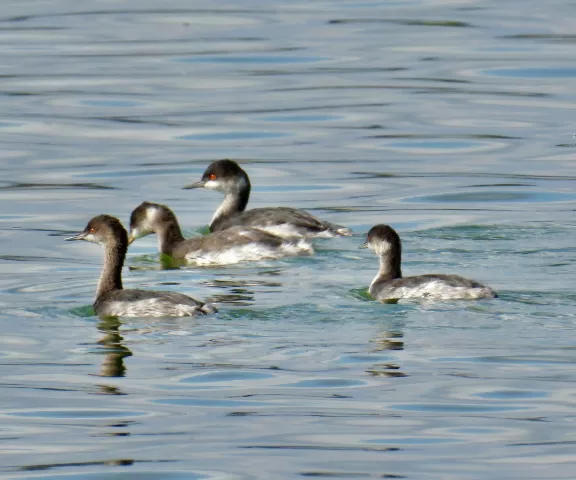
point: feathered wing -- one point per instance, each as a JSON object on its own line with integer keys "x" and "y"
{"x": 285, "y": 222}
{"x": 432, "y": 286}
{"x": 239, "y": 244}
{"x": 144, "y": 303}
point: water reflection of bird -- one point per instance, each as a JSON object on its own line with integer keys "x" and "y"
{"x": 241, "y": 291}
{"x": 115, "y": 351}
{"x": 389, "y": 340}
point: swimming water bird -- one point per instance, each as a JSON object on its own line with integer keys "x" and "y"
{"x": 233, "y": 245}
{"x": 389, "y": 284}
{"x": 111, "y": 299}
{"x": 228, "y": 177}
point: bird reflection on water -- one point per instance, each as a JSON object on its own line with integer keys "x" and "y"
{"x": 391, "y": 340}
{"x": 115, "y": 352}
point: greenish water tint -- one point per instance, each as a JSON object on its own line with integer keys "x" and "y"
{"x": 453, "y": 122}
{"x": 83, "y": 311}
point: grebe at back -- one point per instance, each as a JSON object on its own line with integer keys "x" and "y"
{"x": 233, "y": 245}
{"x": 111, "y": 299}
{"x": 228, "y": 177}
{"x": 390, "y": 285}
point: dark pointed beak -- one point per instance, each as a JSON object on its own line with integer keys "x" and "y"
{"x": 199, "y": 184}
{"x": 364, "y": 245}
{"x": 79, "y": 236}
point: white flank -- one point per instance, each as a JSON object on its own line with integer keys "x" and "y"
{"x": 250, "y": 253}
{"x": 151, "y": 307}
{"x": 433, "y": 290}
{"x": 288, "y": 230}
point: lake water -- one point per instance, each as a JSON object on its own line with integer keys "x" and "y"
{"x": 451, "y": 120}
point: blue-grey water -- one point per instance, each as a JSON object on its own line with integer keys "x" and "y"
{"x": 451, "y": 120}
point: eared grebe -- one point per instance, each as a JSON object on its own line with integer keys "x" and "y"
{"x": 233, "y": 245}
{"x": 227, "y": 176}
{"x": 390, "y": 285}
{"x": 111, "y": 299}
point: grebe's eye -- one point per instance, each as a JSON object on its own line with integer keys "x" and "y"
{"x": 212, "y": 176}
{"x": 92, "y": 230}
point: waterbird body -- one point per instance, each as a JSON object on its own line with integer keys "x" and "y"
{"x": 389, "y": 284}
{"x": 228, "y": 177}
{"x": 111, "y": 299}
{"x": 232, "y": 245}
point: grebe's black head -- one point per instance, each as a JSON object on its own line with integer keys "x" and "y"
{"x": 103, "y": 229}
{"x": 381, "y": 239}
{"x": 225, "y": 176}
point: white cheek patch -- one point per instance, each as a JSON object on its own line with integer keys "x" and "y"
{"x": 151, "y": 214}
{"x": 95, "y": 239}
{"x": 212, "y": 185}
{"x": 91, "y": 238}
{"x": 145, "y": 226}
{"x": 380, "y": 249}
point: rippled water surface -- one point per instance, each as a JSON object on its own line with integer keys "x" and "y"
{"x": 451, "y": 120}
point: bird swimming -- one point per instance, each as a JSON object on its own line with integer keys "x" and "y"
{"x": 232, "y": 245}
{"x": 111, "y": 299}
{"x": 228, "y": 177}
{"x": 390, "y": 285}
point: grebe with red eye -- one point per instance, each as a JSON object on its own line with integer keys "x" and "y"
{"x": 228, "y": 177}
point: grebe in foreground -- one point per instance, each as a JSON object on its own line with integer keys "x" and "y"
{"x": 111, "y": 299}
{"x": 228, "y": 177}
{"x": 233, "y": 245}
{"x": 390, "y": 285}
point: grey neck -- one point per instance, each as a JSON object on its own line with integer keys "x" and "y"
{"x": 234, "y": 203}
{"x": 169, "y": 235}
{"x": 111, "y": 275}
{"x": 390, "y": 267}
{"x": 390, "y": 261}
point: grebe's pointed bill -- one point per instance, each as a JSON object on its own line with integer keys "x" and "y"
{"x": 364, "y": 245}
{"x": 135, "y": 234}
{"x": 200, "y": 184}
{"x": 78, "y": 236}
